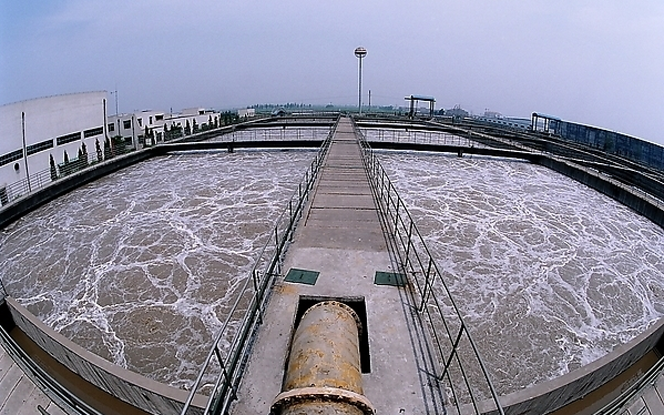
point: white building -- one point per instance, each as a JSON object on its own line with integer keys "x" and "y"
{"x": 33, "y": 130}
{"x": 132, "y": 127}
{"x": 246, "y": 113}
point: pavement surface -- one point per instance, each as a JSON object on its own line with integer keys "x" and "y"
{"x": 340, "y": 236}
{"x": 18, "y": 393}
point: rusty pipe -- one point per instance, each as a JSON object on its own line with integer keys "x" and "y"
{"x": 323, "y": 373}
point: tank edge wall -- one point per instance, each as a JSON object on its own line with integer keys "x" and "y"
{"x": 141, "y": 392}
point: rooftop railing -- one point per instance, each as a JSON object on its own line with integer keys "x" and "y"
{"x": 41, "y": 179}
{"x": 413, "y": 136}
{"x": 460, "y": 370}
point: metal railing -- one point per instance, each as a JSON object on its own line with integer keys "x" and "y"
{"x": 275, "y": 134}
{"x": 413, "y": 136}
{"x": 640, "y": 387}
{"x": 231, "y": 346}
{"x": 37, "y": 181}
{"x": 55, "y": 391}
{"x": 46, "y": 177}
{"x": 468, "y": 141}
{"x": 635, "y": 191}
{"x": 461, "y": 369}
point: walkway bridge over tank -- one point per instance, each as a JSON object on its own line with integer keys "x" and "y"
{"x": 356, "y": 246}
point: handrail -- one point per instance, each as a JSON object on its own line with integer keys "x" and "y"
{"x": 464, "y": 138}
{"x": 618, "y": 404}
{"x": 43, "y": 178}
{"x": 55, "y": 391}
{"x": 416, "y": 259}
{"x": 267, "y": 133}
{"x": 253, "y": 295}
{"x": 415, "y": 136}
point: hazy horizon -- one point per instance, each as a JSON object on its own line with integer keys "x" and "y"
{"x": 593, "y": 62}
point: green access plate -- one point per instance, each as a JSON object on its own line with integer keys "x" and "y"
{"x": 302, "y": 276}
{"x": 390, "y": 278}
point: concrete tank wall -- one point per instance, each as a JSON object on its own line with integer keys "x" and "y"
{"x": 554, "y": 394}
{"x": 141, "y": 392}
{"x": 613, "y": 142}
{"x": 592, "y": 179}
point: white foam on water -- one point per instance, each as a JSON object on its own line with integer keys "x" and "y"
{"x": 142, "y": 266}
{"x": 549, "y": 274}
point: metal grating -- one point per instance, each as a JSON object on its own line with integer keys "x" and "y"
{"x": 302, "y": 276}
{"x": 390, "y": 278}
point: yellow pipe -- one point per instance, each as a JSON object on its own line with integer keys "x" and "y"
{"x": 323, "y": 373}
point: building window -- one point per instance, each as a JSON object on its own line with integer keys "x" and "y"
{"x": 93, "y": 132}
{"x": 159, "y": 117}
{"x": 111, "y": 127}
{"x": 150, "y": 119}
{"x": 68, "y": 138}
{"x": 9, "y": 157}
{"x": 36, "y": 148}
{"x": 140, "y": 122}
{"x": 126, "y": 124}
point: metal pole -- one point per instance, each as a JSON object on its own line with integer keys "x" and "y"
{"x": 359, "y": 93}
{"x": 25, "y": 152}
{"x": 360, "y": 53}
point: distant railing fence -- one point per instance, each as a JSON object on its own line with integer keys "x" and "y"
{"x": 43, "y": 178}
{"x": 416, "y": 137}
{"x": 231, "y": 345}
{"x": 275, "y": 134}
{"x": 461, "y": 371}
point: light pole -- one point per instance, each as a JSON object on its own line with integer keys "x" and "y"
{"x": 360, "y": 52}
{"x": 115, "y": 93}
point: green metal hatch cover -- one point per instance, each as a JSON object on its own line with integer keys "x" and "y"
{"x": 390, "y": 278}
{"x": 302, "y": 276}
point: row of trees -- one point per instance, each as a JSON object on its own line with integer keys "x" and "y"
{"x": 69, "y": 166}
{"x": 177, "y": 131}
{"x": 119, "y": 145}
{"x": 289, "y": 105}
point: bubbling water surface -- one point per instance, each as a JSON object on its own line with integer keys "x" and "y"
{"x": 550, "y": 274}
{"x": 141, "y": 267}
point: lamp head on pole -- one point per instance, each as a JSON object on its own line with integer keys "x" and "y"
{"x": 360, "y": 52}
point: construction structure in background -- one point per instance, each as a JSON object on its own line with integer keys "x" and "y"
{"x": 414, "y": 99}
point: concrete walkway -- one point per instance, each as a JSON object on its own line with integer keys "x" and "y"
{"x": 18, "y": 393}
{"x": 650, "y": 401}
{"x": 341, "y": 237}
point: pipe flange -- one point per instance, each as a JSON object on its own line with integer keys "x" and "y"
{"x": 346, "y": 307}
{"x": 300, "y": 395}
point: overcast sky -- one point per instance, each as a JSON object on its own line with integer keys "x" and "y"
{"x": 598, "y": 62}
